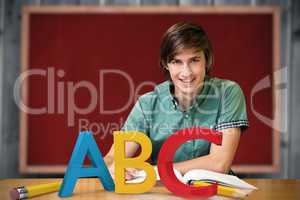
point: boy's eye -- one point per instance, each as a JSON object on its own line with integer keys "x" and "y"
{"x": 196, "y": 60}
{"x": 175, "y": 62}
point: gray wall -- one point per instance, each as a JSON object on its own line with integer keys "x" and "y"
{"x": 294, "y": 112}
{"x": 10, "y": 18}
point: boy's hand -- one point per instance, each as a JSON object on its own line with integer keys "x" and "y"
{"x": 129, "y": 173}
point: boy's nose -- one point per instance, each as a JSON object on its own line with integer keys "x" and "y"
{"x": 186, "y": 71}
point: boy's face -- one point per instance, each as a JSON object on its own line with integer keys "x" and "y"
{"x": 187, "y": 71}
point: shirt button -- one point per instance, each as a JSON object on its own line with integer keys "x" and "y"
{"x": 186, "y": 116}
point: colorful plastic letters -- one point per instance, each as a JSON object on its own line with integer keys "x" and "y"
{"x": 165, "y": 161}
{"x": 85, "y": 145}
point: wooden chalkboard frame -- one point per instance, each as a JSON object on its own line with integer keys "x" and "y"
{"x": 25, "y": 45}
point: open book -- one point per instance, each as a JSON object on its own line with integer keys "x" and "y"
{"x": 203, "y": 176}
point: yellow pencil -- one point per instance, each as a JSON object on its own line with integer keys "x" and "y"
{"x": 223, "y": 190}
{"x": 25, "y": 192}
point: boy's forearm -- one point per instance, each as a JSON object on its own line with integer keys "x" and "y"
{"x": 204, "y": 162}
{"x": 108, "y": 159}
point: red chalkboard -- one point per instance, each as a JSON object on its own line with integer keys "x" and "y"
{"x": 84, "y": 61}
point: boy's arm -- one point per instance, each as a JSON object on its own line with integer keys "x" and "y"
{"x": 130, "y": 148}
{"x": 220, "y": 157}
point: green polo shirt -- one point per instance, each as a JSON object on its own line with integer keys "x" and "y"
{"x": 219, "y": 105}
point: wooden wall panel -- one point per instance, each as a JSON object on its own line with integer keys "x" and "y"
{"x": 121, "y": 2}
{"x": 159, "y": 2}
{"x": 2, "y": 145}
{"x": 295, "y": 94}
{"x": 11, "y": 19}
{"x": 60, "y": 2}
{"x": 233, "y": 2}
{"x": 195, "y": 2}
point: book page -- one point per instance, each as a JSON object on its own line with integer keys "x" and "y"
{"x": 224, "y": 179}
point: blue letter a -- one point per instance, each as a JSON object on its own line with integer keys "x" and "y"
{"x": 85, "y": 145}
